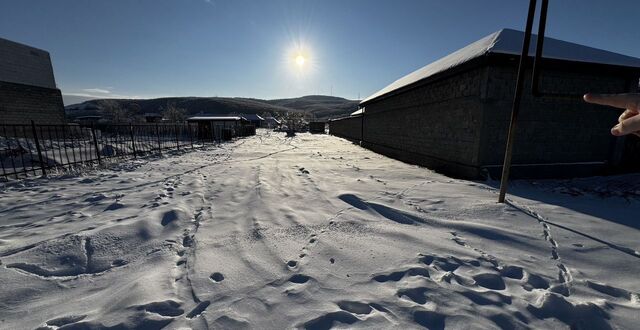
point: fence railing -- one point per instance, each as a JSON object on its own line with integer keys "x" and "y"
{"x": 33, "y": 150}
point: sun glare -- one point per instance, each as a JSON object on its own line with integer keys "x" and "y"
{"x": 299, "y": 61}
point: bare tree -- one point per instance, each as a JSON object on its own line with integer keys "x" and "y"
{"x": 173, "y": 113}
{"x": 295, "y": 122}
{"x": 114, "y": 111}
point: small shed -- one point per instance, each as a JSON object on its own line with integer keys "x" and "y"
{"x": 317, "y": 127}
{"x": 152, "y": 117}
{"x": 218, "y": 127}
{"x": 272, "y": 122}
{"x": 254, "y": 119}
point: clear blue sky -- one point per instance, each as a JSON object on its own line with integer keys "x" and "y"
{"x": 151, "y": 48}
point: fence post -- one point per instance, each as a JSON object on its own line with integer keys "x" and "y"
{"x": 190, "y": 135}
{"x": 158, "y": 138}
{"x": 35, "y": 137}
{"x": 133, "y": 141}
{"x": 177, "y": 143}
{"x": 95, "y": 144}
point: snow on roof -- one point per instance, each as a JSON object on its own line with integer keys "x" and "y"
{"x": 252, "y": 117}
{"x": 272, "y": 119}
{"x": 357, "y": 112}
{"x": 508, "y": 41}
{"x": 205, "y": 118}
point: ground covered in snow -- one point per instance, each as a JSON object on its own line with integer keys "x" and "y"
{"x": 313, "y": 232}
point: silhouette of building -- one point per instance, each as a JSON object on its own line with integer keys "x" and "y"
{"x": 27, "y": 86}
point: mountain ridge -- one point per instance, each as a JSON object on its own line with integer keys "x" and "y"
{"x": 315, "y": 106}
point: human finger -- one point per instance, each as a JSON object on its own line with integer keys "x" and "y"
{"x": 627, "y": 126}
{"x": 627, "y": 114}
{"x": 624, "y": 101}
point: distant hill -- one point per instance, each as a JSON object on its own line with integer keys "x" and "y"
{"x": 320, "y": 106}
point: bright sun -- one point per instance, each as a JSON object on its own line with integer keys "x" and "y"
{"x": 300, "y": 60}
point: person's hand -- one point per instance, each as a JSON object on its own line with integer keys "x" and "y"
{"x": 629, "y": 121}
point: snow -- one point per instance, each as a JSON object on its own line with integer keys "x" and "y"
{"x": 205, "y": 118}
{"x": 311, "y": 232}
{"x": 508, "y": 41}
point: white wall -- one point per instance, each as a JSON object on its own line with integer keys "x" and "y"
{"x": 25, "y": 65}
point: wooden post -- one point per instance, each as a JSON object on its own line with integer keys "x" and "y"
{"x": 35, "y": 137}
{"x": 524, "y": 55}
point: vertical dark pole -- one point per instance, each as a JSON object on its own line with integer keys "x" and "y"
{"x": 6, "y": 138}
{"x": 524, "y": 55}
{"x": 95, "y": 144}
{"x": 13, "y": 162}
{"x": 537, "y": 62}
{"x": 190, "y": 134}
{"x": 133, "y": 141}
{"x": 177, "y": 143}
{"x": 66, "y": 151}
{"x": 35, "y": 138}
{"x": 158, "y": 137}
{"x": 362, "y": 128}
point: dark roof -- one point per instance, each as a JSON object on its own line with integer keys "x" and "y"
{"x": 214, "y": 118}
{"x": 252, "y": 117}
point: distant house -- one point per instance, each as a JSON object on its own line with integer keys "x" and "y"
{"x": 27, "y": 86}
{"x": 254, "y": 119}
{"x": 220, "y": 128}
{"x": 88, "y": 120}
{"x": 453, "y": 114}
{"x": 152, "y": 117}
{"x": 271, "y": 122}
{"x": 317, "y": 127}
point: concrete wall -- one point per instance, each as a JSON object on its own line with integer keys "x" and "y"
{"x": 437, "y": 125}
{"x": 563, "y": 131}
{"x": 348, "y": 128}
{"x": 27, "y": 86}
{"x": 458, "y": 125}
{"x": 26, "y": 65}
{"x": 19, "y": 104}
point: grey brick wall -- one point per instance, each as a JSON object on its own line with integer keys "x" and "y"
{"x": 436, "y": 125}
{"x": 550, "y": 129}
{"x": 349, "y": 128}
{"x": 458, "y": 125}
{"x": 22, "y": 103}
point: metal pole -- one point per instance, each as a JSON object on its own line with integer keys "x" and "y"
{"x": 35, "y": 137}
{"x": 537, "y": 61}
{"x": 177, "y": 143}
{"x": 524, "y": 55}
{"x": 158, "y": 138}
{"x": 133, "y": 141}
{"x": 190, "y": 134}
{"x": 95, "y": 144}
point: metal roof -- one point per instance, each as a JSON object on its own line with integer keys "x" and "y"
{"x": 508, "y": 41}
{"x": 252, "y": 117}
{"x": 210, "y": 118}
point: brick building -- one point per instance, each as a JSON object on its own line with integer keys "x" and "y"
{"x": 453, "y": 114}
{"x": 27, "y": 86}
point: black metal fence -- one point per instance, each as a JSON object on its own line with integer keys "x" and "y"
{"x": 33, "y": 150}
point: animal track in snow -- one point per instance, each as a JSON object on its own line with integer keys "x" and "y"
{"x": 216, "y": 277}
{"x": 164, "y": 308}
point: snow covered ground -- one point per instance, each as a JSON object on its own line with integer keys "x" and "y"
{"x": 313, "y": 232}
